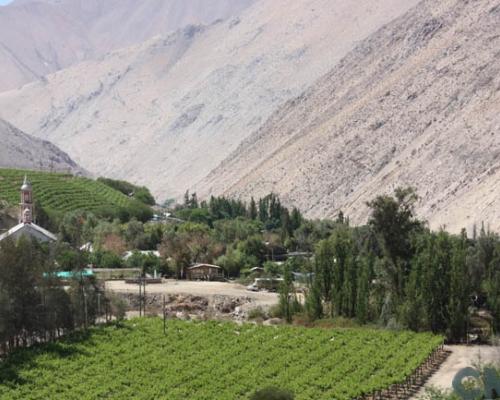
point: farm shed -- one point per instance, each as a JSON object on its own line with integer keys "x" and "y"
{"x": 205, "y": 272}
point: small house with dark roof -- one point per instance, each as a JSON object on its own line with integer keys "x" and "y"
{"x": 205, "y": 272}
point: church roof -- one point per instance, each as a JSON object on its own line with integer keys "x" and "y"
{"x": 26, "y": 184}
{"x": 32, "y": 230}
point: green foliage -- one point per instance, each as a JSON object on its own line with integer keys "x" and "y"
{"x": 148, "y": 263}
{"x": 140, "y": 193}
{"x": 394, "y": 223}
{"x": 314, "y": 303}
{"x": 114, "y": 362}
{"x": 286, "y": 294}
{"x": 106, "y": 259}
{"x": 34, "y": 304}
{"x": 272, "y": 394}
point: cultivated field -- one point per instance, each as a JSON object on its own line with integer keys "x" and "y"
{"x": 213, "y": 360}
{"x": 60, "y": 192}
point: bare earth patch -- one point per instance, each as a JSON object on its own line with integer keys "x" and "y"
{"x": 461, "y": 357}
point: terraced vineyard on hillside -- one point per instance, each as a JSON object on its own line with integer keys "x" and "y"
{"x": 214, "y": 361}
{"x": 60, "y": 192}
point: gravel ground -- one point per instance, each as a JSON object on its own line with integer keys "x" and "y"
{"x": 461, "y": 357}
{"x": 208, "y": 289}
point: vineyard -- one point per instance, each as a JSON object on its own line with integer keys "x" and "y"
{"x": 213, "y": 360}
{"x": 60, "y": 192}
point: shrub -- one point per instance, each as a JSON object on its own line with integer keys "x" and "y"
{"x": 272, "y": 394}
{"x": 257, "y": 313}
{"x": 118, "y": 306}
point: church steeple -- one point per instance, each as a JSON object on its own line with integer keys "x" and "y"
{"x": 26, "y": 215}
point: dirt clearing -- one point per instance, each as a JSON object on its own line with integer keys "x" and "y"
{"x": 461, "y": 357}
{"x": 204, "y": 289}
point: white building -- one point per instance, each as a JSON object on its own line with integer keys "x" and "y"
{"x": 26, "y": 225}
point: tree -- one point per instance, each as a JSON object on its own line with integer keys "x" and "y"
{"x": 134, "y": 234}
{"x": 393, "y": 221}
{"x": 252, "y": 213}
{"x": 458, "y": 303}
{"x": 324, "y": 268}
{"x": 343, "y": 274}
{"x": 314, "y": 303}
{"x": 363, "y": 292}
{"x": 285, "y": 294}
{"x": 295, "y": 219}
{"x": 493, "y": 289}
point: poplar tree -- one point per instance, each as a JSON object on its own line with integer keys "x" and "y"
{"x": 458, "y": 304}
{"x": 252, "y": 214}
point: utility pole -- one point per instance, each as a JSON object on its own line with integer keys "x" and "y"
{"x": 140, "y": 296}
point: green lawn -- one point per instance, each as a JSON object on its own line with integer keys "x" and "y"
{"x": 60, "y": 192}
{"x": 213, "y": 360}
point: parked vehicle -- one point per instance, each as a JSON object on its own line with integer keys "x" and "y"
{"x": 270, "y": 284}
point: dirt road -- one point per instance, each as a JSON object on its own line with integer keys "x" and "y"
{"x": 461, "y": 357}
{"x": 206, "y": 289}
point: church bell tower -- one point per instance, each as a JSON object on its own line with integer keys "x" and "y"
{"x": 26, "y": 215}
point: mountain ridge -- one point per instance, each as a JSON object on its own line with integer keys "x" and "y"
{"x": 23, "y": 151}
{"x": 386, "y": 117}
{"x": 167, "y": 111}
{"x": 39, "y": 37}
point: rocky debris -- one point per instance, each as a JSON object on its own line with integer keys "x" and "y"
{"x": 274, "y": 321}
{"x": 188, "y": 307}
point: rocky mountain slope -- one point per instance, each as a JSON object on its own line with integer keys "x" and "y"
{"x": 19, "y": 150}
{"x": 167, "y": 111}
{"x": 38, "y": 37}
{"x": 417, "y": 103}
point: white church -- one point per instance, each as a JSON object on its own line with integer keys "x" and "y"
{"x": 26, "y": 225}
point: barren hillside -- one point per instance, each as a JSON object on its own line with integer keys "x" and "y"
{"x": 417, "y": 103}
{"x": 38, "y": 37}
{"x": 167, "y": 111}
{"x": 19, "y": 150}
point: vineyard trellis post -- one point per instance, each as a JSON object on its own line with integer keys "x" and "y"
{"x": 164, "y": 317}
{"x": 142, "y": 296}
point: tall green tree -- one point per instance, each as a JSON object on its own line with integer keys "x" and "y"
{"x": 393, "y": 220}
{"x": 324, "y": 268}
{"x": 252, "y": 212}
{"x": 459, "y": 294}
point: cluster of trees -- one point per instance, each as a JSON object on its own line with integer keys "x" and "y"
{"x": 231, "y": 233}
{"x": 397, "y": 272}
{"x": 393, "y": 271}
{"x": 268, "y": 210}
{"x": 140, "y": 193}
{"x": 35, "y": 306}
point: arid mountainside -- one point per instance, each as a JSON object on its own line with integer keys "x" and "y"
{"x": 417, "y": 103}
{"x": 19, "y": 150}
{"x": 38, "y": 37}
{"x": 167, "y": 111}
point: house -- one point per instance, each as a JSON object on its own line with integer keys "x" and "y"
{"x": 26, "y": 226}
{"x": 205, "y": 272}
